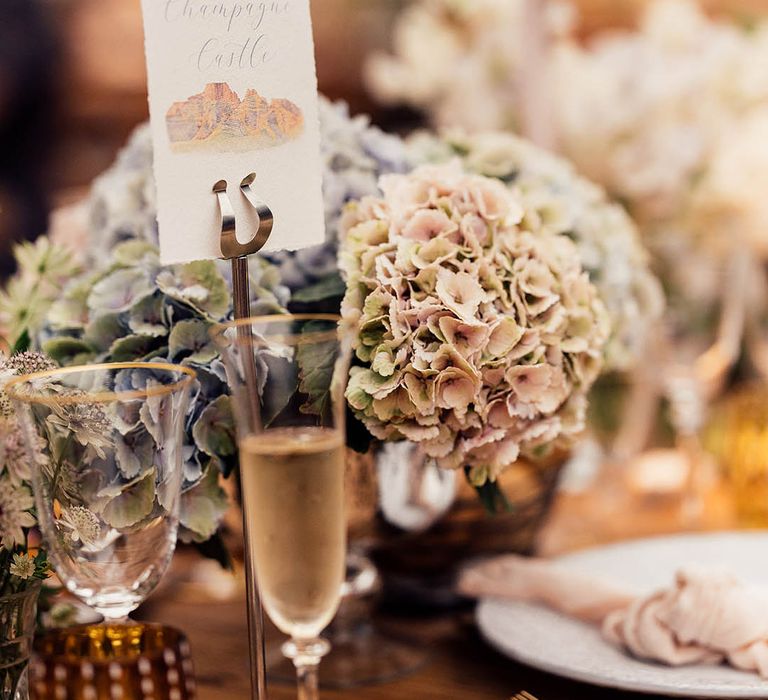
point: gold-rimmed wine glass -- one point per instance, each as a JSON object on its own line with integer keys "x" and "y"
{"x": 105, "y": 442}
{"x": 288, "y": 375}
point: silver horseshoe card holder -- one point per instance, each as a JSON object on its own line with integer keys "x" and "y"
{"x": 232, "y": 249}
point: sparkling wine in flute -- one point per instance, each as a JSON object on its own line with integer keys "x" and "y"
{"x": 293, "y": 494}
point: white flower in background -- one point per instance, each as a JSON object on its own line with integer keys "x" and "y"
{"x": 15, "y": 504}
{"x": 647, "y": 113}
{"x": 22, "y": 566}
{"x": 731, "y": 198}
{"x": 459, "y": 59}
{"x": 81, "y": 525}
{"x": 641, "y": 111}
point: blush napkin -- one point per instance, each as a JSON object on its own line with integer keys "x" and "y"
{"x": 705, "y": 616}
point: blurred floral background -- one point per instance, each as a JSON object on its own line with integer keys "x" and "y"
{"x": 663, "y": 103}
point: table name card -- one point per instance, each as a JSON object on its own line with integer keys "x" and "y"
{"x": 233, "y": 91}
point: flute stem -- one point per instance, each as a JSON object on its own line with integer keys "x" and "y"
{"x": 306, "y": 655}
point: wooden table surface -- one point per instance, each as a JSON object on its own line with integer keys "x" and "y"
{"x": 461, "y": 666}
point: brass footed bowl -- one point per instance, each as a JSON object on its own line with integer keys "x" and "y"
{"x": 113, "y": 662}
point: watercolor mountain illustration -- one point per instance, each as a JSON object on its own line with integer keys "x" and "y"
{"x": 218, "y": 119}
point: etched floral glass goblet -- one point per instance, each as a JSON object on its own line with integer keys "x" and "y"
{"x": 105, "y": 442}
{"x": 288, "y": 375}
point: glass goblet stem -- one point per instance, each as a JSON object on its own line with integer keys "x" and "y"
{"x": 306, "y": 655}
{"x": 688, "y": 406}
{"x": 113, "y": 619}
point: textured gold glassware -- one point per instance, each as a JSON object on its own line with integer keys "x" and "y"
{"x": 113, "y": 662}
{"x": 737, "y": 435}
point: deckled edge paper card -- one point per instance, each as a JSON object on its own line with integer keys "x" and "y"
{"x": 233, "y": 91}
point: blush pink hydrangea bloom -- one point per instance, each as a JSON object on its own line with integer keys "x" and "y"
{"x": 476, "y": 330}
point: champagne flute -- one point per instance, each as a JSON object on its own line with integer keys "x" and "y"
{"x": 287, "y": 375}
{"x": 105, "y": 442}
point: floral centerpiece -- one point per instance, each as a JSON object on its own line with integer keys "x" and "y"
{"x": 125, "y": 306}
{"x": 477, "y": 331}
{"x": 120, "y": 304}
{"x": 694, "y": 81}
{"x": 132, "y": 308}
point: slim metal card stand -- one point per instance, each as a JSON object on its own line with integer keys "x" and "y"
{"x": 232, "y": 249}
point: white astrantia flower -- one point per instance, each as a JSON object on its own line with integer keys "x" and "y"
{"x": 86, "y": 422}
{"x": 15, "y": 503}
{"x": 81, "y": 525}
{"x": 729, "y": 202}
{"x": 22, "y": 566}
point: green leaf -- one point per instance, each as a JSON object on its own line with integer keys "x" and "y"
{"x": 133, "y": 504}
{"x": 104, "y": 330}
{"x": 147, "y": 317}
{"x": 67, "y": 350}
{"x": 203, "y": 506}
{"x": 22, "y": 344}
{"x": 191, "y": 339}
{"x": 198, "y": 285}
{"x": 316, "y": 362}
{"x": 214, "y": 432}
{"x": 328, "y": 287}
{"x": 278, "y": 394}
{"x": 133, "y": 347}
{"x": 120, "y": 290}
{"x": 494, "y": 500}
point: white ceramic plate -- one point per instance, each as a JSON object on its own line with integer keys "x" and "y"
{"x": 551, "y": 642}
